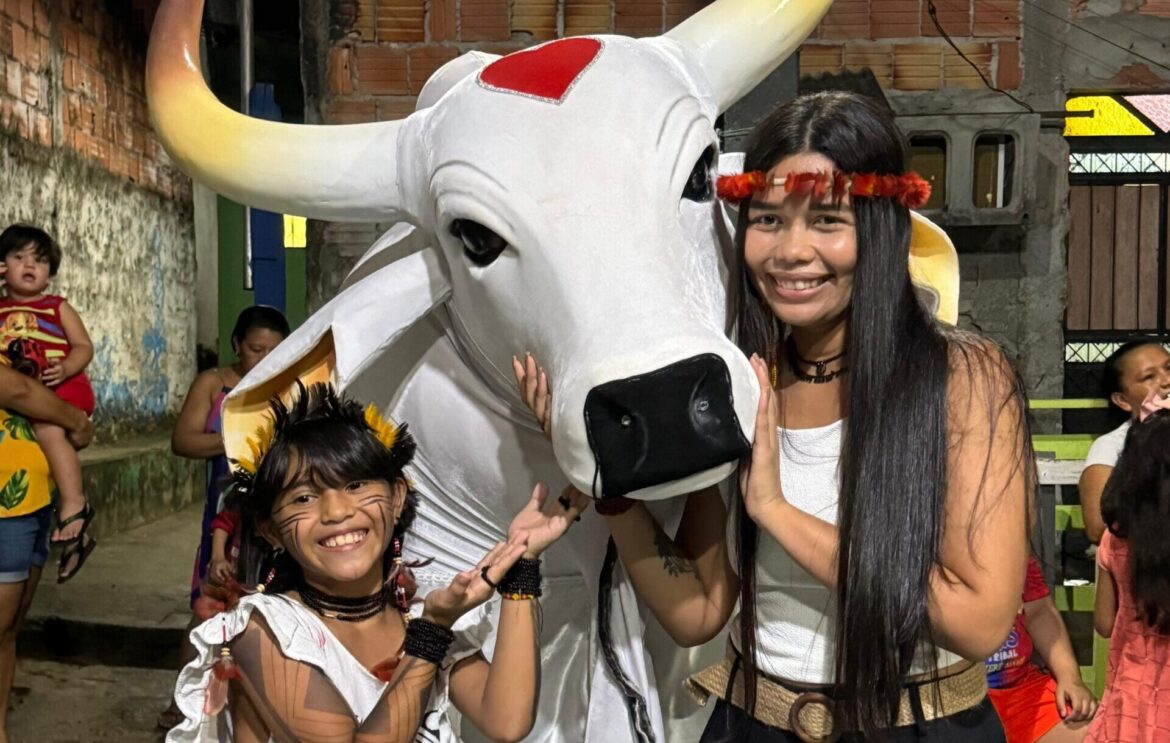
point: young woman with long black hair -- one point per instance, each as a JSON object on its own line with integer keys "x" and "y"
{"x": 882, "y": 522}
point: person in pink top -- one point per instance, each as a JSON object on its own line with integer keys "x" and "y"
{"x": 1133, "y": 587}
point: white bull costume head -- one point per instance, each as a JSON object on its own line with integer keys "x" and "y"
{"x": 561, "y": 196}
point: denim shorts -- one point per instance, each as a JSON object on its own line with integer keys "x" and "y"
{"x": 24, "y": 543}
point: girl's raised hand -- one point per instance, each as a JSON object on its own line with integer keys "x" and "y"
{"x": 1153, "y": 403}
{"x": 471, "y": 588}
{"x": 533, "y": 385}
{"x": 540, "y": 523}
{"x": 759, "y": 475}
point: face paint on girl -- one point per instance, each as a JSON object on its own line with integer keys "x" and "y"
{"x": 338, "y": 535}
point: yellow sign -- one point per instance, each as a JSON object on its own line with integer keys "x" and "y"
{"x": 294, "y": 231}
{"x": 1109, "y": 119}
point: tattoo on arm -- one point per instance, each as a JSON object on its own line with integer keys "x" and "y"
{"x": 672, "y": 561}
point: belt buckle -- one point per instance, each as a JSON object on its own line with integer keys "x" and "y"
{"x": 815, "y": 697}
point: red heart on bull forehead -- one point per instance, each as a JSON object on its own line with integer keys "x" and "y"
{"x": 546, "y": 73}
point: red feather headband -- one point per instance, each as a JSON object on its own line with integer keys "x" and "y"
{"x": 910, "y": 189}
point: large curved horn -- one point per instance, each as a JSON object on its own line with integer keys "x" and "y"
{"x": 738, "y": 42}
{"x": 340, "y": 173}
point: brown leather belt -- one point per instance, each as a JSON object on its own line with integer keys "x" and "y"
{"x": 813, "y": 716}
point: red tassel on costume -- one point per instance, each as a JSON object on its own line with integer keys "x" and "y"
{"x": 224, "y": 670}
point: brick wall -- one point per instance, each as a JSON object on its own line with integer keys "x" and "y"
{"x": 74, "y": 80}
{"x": 897, "y": 40}
{"x": 386, "y": 49}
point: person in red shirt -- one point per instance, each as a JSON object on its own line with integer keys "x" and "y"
{"x": 1037, "y": 705}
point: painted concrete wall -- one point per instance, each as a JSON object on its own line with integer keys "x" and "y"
{"x": 129, "y": 270}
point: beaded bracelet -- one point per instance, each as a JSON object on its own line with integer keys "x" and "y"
{"x": 427, "y": 641}
{"x": 522, "y": 581}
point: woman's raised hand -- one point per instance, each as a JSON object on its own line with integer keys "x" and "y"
{"x": 540, "y": 523}
{"x": 759, "y": 475}
{"x": 533, "y": 384}
{"x": 471, "y": 588}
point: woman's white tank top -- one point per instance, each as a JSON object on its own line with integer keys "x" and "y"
{"x": 796, "y": 613}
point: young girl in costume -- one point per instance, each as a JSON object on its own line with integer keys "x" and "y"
{"x": 881, "y": 524}
{"x": 324, "y": 648}
{"x": 1133, "y": 585}
{"x": 43, "y": 336}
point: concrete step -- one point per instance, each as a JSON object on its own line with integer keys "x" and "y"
{"x": 127, "y": 607}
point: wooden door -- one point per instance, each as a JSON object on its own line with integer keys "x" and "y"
{"x": 1113, "y": 266}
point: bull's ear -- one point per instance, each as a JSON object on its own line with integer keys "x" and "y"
{"x": 934, "y": 268}
{"x": 396, "y": 243}
{"x": 339, "y": 340}
{"x": 444, "y": 78}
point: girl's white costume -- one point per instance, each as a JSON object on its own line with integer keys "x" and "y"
{"x": 302, "y": 637}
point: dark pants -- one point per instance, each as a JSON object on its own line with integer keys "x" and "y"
{"x": 730, "y": 724}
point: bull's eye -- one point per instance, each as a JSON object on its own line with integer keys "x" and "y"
{"x": 480, "y": 245}
{"x": 698, "y": 186}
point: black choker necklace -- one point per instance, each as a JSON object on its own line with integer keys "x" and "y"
{"x": 343, "y": 608}
{"x": 820, "y": 376}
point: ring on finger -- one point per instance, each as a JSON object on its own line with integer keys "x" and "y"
{"x": 565, "y": 502}
{"x": 483, "y": 573}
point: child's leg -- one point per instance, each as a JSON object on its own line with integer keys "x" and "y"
{"x": 66, "y": 468}
{"x": 1072, "y": 732}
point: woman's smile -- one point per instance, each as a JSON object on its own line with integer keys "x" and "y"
{"x": 792, "y": 288}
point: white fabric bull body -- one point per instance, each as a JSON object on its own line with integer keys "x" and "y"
{"x": 582, "y": 155}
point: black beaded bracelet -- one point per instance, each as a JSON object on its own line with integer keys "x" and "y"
{"x": 427, "y": 641}
{"x": 522, "y": 580}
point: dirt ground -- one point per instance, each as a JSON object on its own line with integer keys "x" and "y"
{"x": 58, "y": 703}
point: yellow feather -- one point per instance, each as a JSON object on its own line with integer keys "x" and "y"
{"x": 385, "y": 431}
{"x": 258, "y": 445}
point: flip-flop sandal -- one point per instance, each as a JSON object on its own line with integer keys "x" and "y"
{"x": 76, "y": 547}
{"x": 85, "y": 515}
{"x": 73, "y": 550}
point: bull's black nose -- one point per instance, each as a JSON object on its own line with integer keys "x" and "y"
{"x": 663, "y": 425}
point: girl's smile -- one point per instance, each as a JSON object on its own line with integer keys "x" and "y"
{"x": 345, "y": 541}
{"x": 338, "y": 535}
